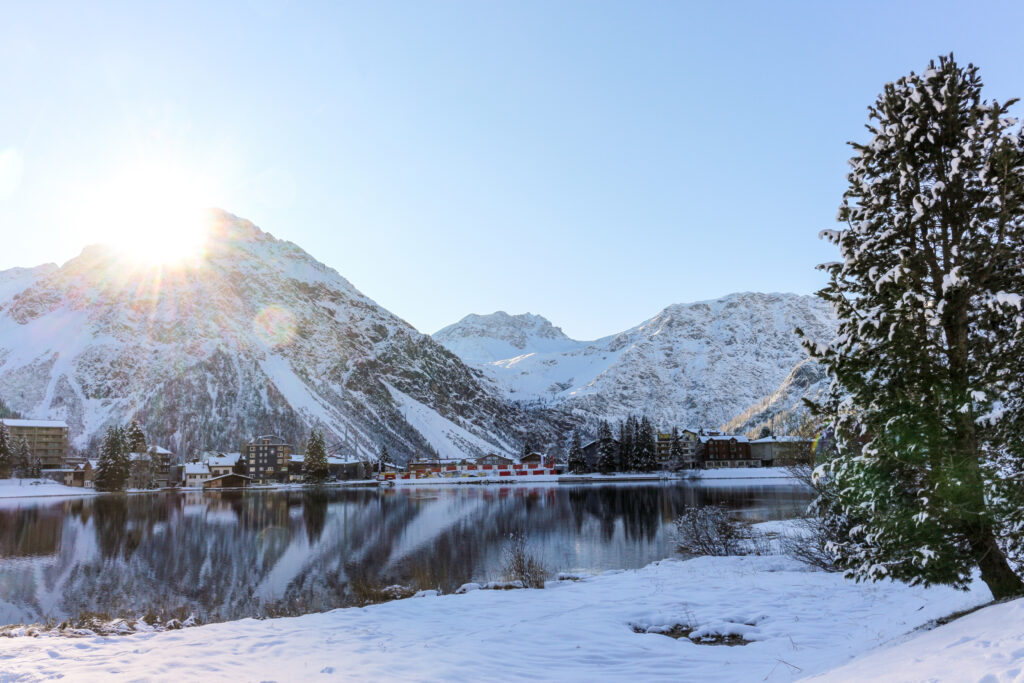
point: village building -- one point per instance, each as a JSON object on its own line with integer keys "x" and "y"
{"x": 47, "y": 440}
{"x": 533, "y": 458}
{"x": 592, "y": 451}
{"x": 267, "y": 458}
{"x": 494, "y": 459}
{"x": 783, "y": 451}
{"x": 222, "y": 463}
{"x": 196, "y": 473}
{"x": 726, "y": 450}
{"x": 231, "y": 480}
{"x": 81, "y": 475}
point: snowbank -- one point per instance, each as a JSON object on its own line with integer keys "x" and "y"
{"x": 762, "y": 475}
{"x": 31, "y": 488}
{"x": 798, "y": 623}
{"x": 987, "y": 645}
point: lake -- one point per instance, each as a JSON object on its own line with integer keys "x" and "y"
{"x": 230, "y": 555}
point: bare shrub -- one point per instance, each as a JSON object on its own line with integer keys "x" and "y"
{"x": 521, "y": 565}
{"x": 821, "y": 528}
{"x": 712, "y": 530}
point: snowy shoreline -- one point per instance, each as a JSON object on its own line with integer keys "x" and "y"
{"x": 603, "y": 627}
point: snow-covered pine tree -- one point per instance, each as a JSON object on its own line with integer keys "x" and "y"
{"x": 23, "y": 458}
{"x": 136, "y": 439}
{"x": 627, "y": 429}
{"x": 577, "y": 463}
{"x": 646, "y": 452}
{"x": 607, "y": 449}
{"x": 113, "y": 467}
{"x": 926, "y": 399}
{"x": 35, "y": 467}
{"x": 676, "y": 449}
{"x": 315, "y": 467}
{"x": 6, "y": 453}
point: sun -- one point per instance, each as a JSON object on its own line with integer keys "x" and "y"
{"x": 152, "y": 214}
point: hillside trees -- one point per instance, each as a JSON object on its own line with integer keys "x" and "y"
{"x": 927, "y": 403}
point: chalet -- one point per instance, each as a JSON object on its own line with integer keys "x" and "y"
{"x": 162, "y": 462}
{"x": 222, "y": 463}
{"x": 592, "y": 451}
{"x": 231, "y": 480}
{"x": 196, "y": 473}
{"x": 783, "y": 451}
{"x": 726, "y": 450}
{"x": 534, "y": 458}
{"x": 494, "y": 459}
{"x": 47, "y": 440}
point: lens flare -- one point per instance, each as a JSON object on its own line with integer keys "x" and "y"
{"x": 275, "y": 326}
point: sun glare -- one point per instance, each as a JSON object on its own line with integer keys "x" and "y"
{"x": 153, "y": 215}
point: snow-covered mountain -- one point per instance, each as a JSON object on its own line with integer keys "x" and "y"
{"x": 698, "y": 364}
{"x": 258, "y": 337}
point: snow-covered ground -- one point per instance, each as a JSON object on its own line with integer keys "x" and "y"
{"x": 31, "y": 488}
{"x": 985, "y": 646}
{"x": 798, "y": 623}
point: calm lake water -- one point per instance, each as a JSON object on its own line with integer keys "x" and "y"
{"x": 231, "y": 555}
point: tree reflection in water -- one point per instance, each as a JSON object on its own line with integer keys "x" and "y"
{"x": 233, "y": 554}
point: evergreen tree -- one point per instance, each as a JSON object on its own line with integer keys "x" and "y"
{"x": 315, "y": 467}
{"x": 646, "y": 450}
{"x": 23, "y": 459}
{"x": 240, "y": 466}
{"x": 577, "y": 463}
{"x": 6, "y": 453}
{"x": 385, "y": 457}
{"x": 676, "y": 449}
{"x": 113, "y": 467}
{"x": 135, "y": 438}
{"x": 927, "y": 404}
{"x": 607, "y": 451}
{"x": 625, "y": 452}
{"x": 142, "y": 469}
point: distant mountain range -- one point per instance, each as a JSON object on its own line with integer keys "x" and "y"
{"x": 260, "y": 337}
{"x": 698, "y": 364}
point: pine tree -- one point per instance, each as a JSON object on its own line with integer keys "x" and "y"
{"x": 113, "y": 466}
{"x": 315, "y": 467}
{"x": 607, "y": 450}
{"x": 136, "y": 438}
{"x": 577, "y": 463}
{"x": 6, "y": 453}
{"x": 927, "y": 404}
{"x": 384, "y": 458}
{"x": 23, "y": 459}
{"x": 625, "y": 454}
{"x": 676, "y": 449}
{"x": 646, "y": 450}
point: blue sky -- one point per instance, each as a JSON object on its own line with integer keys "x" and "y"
{"x": 589, "y": 161}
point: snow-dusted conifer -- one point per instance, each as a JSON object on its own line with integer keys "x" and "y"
{"x": 315, "y": 467}
{"x": 577, "y": 462}
{"x": 926, "y": 399}
{"x": 136, "y": 439}
{"x": 113, "y": 467}
{"x": 23, "y": 460}
{"x": 645, "y": 458}
{"x": 607, "y": 450}
{"x": 6, "y": 453}
{"x": 627, "y": 430}
{"x": 676, "y": 449}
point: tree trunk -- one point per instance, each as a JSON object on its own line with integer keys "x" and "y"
{"x": 995, "y": 570}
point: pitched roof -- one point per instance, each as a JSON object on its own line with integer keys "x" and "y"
{"x": 196, "y": 468}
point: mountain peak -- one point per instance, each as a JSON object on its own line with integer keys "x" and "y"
{"x": 499, "y": 335}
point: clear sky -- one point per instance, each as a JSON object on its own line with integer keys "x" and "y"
{"x": 589, "y": 161}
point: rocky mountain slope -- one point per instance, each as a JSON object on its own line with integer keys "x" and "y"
{"x": 258, "y": 337}
{"x": 698, "y": 364}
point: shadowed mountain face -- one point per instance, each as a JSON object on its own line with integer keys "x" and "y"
{"x": 256, "y": 337}
{"x": 698, "y": 364}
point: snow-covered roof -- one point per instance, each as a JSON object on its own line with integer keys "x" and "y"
{"x": 782, "y": 439}
{"x": 230, "y": 474}
{"x": 725, "y": 437}
{"x": 35, "y": 423}
{"x": 196, "y": 468}
{"x": 223, "y": 459}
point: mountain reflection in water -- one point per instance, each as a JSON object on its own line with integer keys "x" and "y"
{"x": 231, "y": 555}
